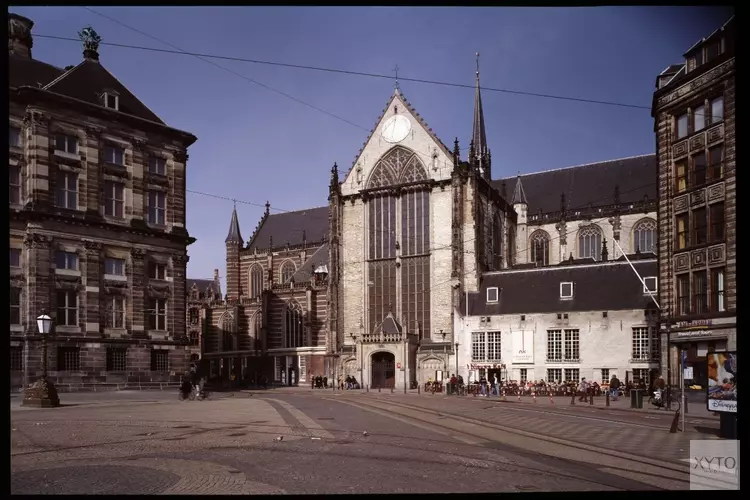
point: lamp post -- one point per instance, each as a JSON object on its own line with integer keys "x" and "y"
{"x": 457, "y": 359}
{"x": 357, "y": 354}
{"x": 42, "y": 393}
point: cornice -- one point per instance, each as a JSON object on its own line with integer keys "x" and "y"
{"x": 697, "y": 83}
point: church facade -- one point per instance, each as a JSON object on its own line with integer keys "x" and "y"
{"x": 375, "y": 284}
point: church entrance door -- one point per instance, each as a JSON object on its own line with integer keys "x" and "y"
{"x": 383, "y": 370}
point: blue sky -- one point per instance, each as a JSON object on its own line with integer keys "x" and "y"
{"x": 256, "y": 145}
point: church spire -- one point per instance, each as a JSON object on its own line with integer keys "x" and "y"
{"x": 234, "y": 235}
{"x": 478, "y": 135}
{"x": 519, "y": 195}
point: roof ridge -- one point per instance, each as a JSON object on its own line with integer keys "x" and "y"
{"x": 577, "y": 166}
{"x": 286, "y": 212}
{"x": 65, "y": 74}
{"x": 563, "y": 266}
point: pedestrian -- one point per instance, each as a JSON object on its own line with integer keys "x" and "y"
{"x": 583, "y": 389}
{"x": 614, "y": 387}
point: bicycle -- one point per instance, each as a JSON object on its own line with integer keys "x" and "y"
{"x": 674, "y": 402}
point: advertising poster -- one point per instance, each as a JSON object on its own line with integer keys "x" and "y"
{"x": 722, "y": 381}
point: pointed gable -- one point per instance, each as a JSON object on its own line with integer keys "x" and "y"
{"x": 89, "y": 80}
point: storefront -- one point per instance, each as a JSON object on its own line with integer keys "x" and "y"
{"x": 488, "y": 371}
{"x": 692, "y": 340}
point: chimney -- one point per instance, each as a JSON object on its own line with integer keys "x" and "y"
{"x": 19, "y": 36}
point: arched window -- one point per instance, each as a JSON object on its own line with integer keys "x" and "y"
{"x": 511, "y": 245}
{"x": 256, "y": 281}
{"x": 256, "y": 330}
{"x": 293, "y": 325}
{"x": 590, "y": 242}
{"x": 228, "y": 337}
{"x": 497, "y": 243}
{"x": 539, "y": 247}
{"x": 287, "y": 271}
{"x": 644, "y": 236}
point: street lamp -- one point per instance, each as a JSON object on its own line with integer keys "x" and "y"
{"x": 456, "y": 359}
{"x": 42, "y": 393}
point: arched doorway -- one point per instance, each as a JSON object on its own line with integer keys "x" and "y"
{"x": 383, "y": 370}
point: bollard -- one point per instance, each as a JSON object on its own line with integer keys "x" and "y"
{"x": 675, "y": 421}
{"x": 504, "y": 395}
{"x": 378, "y": 388}
{"x": 391, "y": 389}
{"x": 367, "y": 388}
{"x": 404, "y": 389}
{"x": 607, "y": 399}
{"x": 573, "y": 399}
{"x": 475, "y": 393}
{"x": 519, "y": 396}
{"x": 686, "y": 407}
{"x": 591, "y": 398}
{"x": 419, "y": 389}
{"x": 533, "y": 395}
{"x": 551, "y": 401}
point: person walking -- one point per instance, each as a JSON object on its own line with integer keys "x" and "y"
{"x": 614, "y": 388}
{"x": 583, "y": 389}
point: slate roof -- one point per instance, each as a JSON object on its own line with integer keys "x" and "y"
{"x": 389, "y": 325}
{"x": 593, "y": 184}
{"x": 598, "y": 287}
{"x": 25, "y": 71}
{"x": 317, "y": 259}
{"x": 234, "y": 235}
{"x": 290, "y": 227}
{"x": 203, "y": 285}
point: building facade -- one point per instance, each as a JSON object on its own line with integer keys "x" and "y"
{"x": 694, "y": 121}
{"x": 201, "y": 293}
{"x": 379, "y": 278}
{"x": 97, "y": 224}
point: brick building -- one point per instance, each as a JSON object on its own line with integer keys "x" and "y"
{"x": 373, "y": 285}
{"x": 694, "y": 121}
{"x": 97, "y": 224}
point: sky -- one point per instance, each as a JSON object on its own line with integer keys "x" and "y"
{"x": 256, "y": 145}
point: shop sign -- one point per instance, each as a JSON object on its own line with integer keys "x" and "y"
{"x": 694, "y": 334}
{"x": 484, "y": 366}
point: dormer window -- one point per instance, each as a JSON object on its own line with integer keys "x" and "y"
{"x": 493, "y": 294}
{"x": 649, "y": 285}
{"x": 111, "y": 100}
{"x": 566, "y": 290}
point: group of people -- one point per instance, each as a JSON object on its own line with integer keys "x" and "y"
{"x": 319, "y": 382}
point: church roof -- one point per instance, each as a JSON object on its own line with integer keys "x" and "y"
{"x": 537, "y": 291}
{"x": 593, "y": 183}
{"x": 519, "y": 195}
{"x": 234, "y": 235}
{"x": 292, "y": 227}
{"x": 205, "y": 287}
{"x": 317, "y": 259}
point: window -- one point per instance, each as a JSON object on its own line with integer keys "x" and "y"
{"x": 15, "y": 257}
{"x": 572, "y": 345}
{"x": 492, "y": 294}
{"x": 713, "y": 50}
{"x": 228, "y": 333}
{"x": 111, "y": 101}
{"x": 67, "y": 190}
{"x": 293, "y": 325}
{"x": 157, "y": 207}
{"x": 699, "y": 118}
{"x": 605, "y": 314}
{"x": 114, "y": 199}
{"x": 157, "y": 166}
{"x": 160, "y": 360}
{"x": 681, "y": 175}
{"x": 14, "y": 137}
{"x": 700, "y": 226}
{"x": 256, "y": 281}
{"x": 117, "y": 359}
{"x": 497, "y": 243}
{"x": 717, "y": 290}
{"x": 700, "y": 292}
{"x": 66, "y": 143}
{"x": 478, "y": 346}
{"x": 69, "y": 359}
{"x": 683, "y": 295}
{"x": 195, "y": 338}
{"x": 682, "y": 126}
{"x": 605, "y": 376}
{"x": 641, "y": 374}
{"x": 716, "y": 215}
{"x": 572, "y": 374}
{"x": 524, "y": 374}
{"x": 494, "y": 353}
{"x": 16, "y": 359}
{"x": 287, "y": 271}
{"x": 641, "y": 348}
{"x": 15, "y": 306}
{"x": 644, "y": 235}
{"x": 683, "y": 236}
{"x": 540, "y": 248}
{"x": 554, "y": 345}
{"x": 67, "y": 308}
{"x": 698, "y": 57}
{"x": 566, "y": 290}
{"x": 554, "y": 375}
{"x": 699, "y": 169}
{"x": 715, "y": 163}
{"x": 115, "y": 312}
{"x": 14, "y": 174}
{"x": 590, "y": 243}
{"x": 717, "y": 109}
{"x": 649, "y": 284}
{"x": 655, "y": 344}
{"x": 114, "y": 267}
{"x": 195, "y": 315}
{"x": 114, "y": 155}
{"x": 157, "y": 314}
{"x": 66, "y": 260}
{"x": 157, "y": 271}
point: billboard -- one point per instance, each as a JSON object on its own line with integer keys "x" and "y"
{"x": 523, "y": 347}
{"x": 722, "y": 381}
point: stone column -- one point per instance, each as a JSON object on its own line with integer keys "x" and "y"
{"x": 38, "y": 296}
{"x": 138, "y": 303}
{"x": 308, "y": 340}
{"x": 177, "y": 302}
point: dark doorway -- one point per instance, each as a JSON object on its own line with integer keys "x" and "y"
{"x": 383, "y": 370}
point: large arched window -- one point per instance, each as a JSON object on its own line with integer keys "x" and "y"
{"x": 293, "y": 325}
{"x": 539, "y": 243}
{"x": 256, "y": 281}
{"x": 644, "y": 236}
{"x": 287, "y": 271}
{"x": 228, "y": 337}
{"x": 590, "y": 242}
{"x": 256, "y": 330}
{"x": 399, "y": 224}
{"x": 497, "y": 242}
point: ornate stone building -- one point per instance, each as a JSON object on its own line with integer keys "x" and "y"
{"x": 97, "y": 224}
{"x": 694, "y": 121}
{"x": 201, "y": 293}
{"x": 373, "y": 285}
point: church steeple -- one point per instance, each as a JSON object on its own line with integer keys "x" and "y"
{"x": 479, "y": 134}
{"x": 234, "y": 235}
{"x": 519, "y": 195}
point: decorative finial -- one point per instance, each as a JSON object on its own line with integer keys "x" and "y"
{"x": 396, "y": 71}
{"x": 477, "y": 64}
{"x": 268, "y": 207}
{"x": 234, "y": 203}
{"x": 91, "y": 41}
